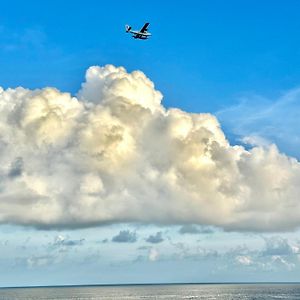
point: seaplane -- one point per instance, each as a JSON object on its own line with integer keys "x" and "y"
{"x": 142, "y": 34}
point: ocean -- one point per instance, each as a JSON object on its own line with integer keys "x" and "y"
{"x": 172, "y": 291}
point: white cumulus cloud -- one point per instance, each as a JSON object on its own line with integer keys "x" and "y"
{"x": 114, "y": 154}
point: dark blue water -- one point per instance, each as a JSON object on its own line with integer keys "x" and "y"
{"x": 186, "y": 291}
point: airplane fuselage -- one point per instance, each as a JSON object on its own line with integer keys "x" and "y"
{"x": 140, "y": 33}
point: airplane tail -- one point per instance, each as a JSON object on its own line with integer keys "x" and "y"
{"x": 127, "y": 28}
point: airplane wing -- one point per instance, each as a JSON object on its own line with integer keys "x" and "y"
{"x": 144, "y": 29}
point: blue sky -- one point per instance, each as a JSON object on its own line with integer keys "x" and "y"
{"x": 235, "y": 59}
{"x": 203, "y": 55}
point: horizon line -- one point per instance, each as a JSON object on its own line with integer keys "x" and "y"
{"x": 145, "y": 284}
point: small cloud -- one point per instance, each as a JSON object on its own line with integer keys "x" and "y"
{"x": 144, "y": 248}
{"x": 4, "y": 243}
{"x": 62, "y": 243}
{"x": 39, "y": 261}
{"x": 278, "y": 246}
{"x": 254, "y": 140}
{"x": 193, "y": 229}
{"x": 155, "y": 239}
{"x": 153, "y": 254}
{"x": 244, "y": 260}
{"x": 103, "y": 241}
{"x": 280, "y": 261}
{"x": 125, "y": 236}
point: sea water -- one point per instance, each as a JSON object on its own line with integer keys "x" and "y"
{"x": 173, "y": 291}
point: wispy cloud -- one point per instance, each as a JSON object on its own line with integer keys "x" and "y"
{"x": 261, "y": 121}
{"x": 26, "y": 39}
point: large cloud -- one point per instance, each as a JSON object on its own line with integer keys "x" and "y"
{"x": 115, "y": 154}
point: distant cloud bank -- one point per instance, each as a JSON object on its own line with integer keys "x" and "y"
{"x": 115, "y": 154}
